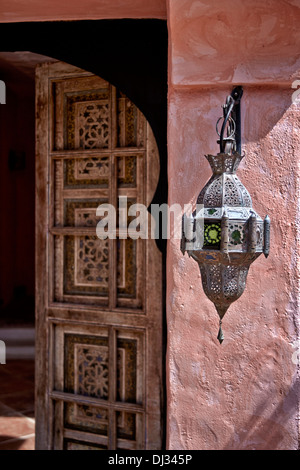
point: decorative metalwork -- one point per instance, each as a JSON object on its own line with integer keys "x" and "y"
{"x": 225, "y": 235}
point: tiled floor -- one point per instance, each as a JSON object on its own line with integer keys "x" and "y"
{"x": 17, "y": 424}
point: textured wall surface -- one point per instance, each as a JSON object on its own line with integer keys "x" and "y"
{"x": 234, "y": 41}
{"x": 243, "y": 394}
{"x": 48, "y": 10}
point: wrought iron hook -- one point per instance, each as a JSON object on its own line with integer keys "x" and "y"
{"x": 231, "y": 119}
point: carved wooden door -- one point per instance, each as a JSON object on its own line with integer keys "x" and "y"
{"x": 98, "y": 302}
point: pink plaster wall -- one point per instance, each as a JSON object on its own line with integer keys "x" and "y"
{"x": 243, "y": 394}
{"x": 48, "y": 10}
{"x": 234, "y": 41}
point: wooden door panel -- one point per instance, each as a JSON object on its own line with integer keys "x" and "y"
{"x": 99, "y": 386}
{"x": 98, "y": 302}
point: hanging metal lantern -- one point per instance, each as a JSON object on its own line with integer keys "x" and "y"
{"x": 225, "y": 234}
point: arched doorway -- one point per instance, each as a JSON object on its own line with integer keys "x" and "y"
{"x": 130, "y": 54}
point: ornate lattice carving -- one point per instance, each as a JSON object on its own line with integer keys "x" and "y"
{"x": 86, "y": 172}
{"x": 76, "y": 107}
{"x": 215, "y": 279}
{"x": 86, "y": 365}
{"x": 231, "y": 281}
{"x": 86, "y": 217}
{"x": 224, "y": 163}
{"x": 92, "y": 168}
{"x": 81, "y": 212}
{"x": 213, "y": 194}
{"x": 82, "y": 275}
{"x": 92, "y": 124}
{"x": 91, "y": 363}
{"x": 246, "y": 198}
{"x": 87, "y": 373}
{"x": 91, "y": 262}
{"x": 212, "y": 280}
{"x": 232, "y": 196}
{"x": 224, "y": 188}
{"x": 87, "y": 261}
{"x": 223, "y": 284}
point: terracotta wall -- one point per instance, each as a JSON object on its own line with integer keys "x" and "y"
{"x": 243, "y": 394}
{"x": 48, "y": 10}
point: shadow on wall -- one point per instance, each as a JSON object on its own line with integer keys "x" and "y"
{"x": 261, "y": 433}
{"x": 262, "y": 109}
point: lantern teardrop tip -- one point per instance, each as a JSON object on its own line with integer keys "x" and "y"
{"x": 220, "y": 336}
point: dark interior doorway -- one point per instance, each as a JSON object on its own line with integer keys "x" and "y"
{"x": 103, "y": 47}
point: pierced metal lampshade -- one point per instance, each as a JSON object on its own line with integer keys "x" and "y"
{"x": 225, "y": 235}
